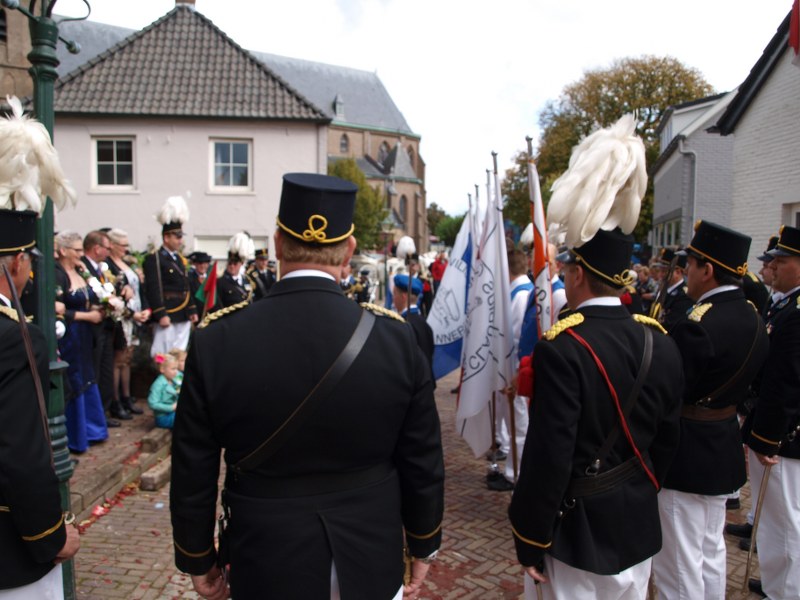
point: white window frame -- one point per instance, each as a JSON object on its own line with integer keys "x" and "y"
{"x": 229, "y": 189}
{"x": 96, "y": 163}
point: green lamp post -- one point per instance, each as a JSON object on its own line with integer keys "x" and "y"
{"x": 386, "y": 231}
{"x": 43, "y": 59}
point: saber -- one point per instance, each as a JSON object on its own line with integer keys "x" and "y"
{"x": 756, "y": 516}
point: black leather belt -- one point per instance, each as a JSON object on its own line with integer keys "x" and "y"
{"x": 257, "y": 486}
{"x": 588, "y": 486}
{"x": 701, "y": 413}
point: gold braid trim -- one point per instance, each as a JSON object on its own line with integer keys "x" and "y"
{"x": 531, "y": 542}
{"x": 426, "y": 536}
{"x": 4, "y": 509}
{"x": 562, "y": 325}
{"x": 698, "y": 311}
{"x": 649, "y": 321}
{"x": 193, "y": 554}
{"x": 379, "y": 310}
{"x": 44, "y": 534}
{"x": 217, "y": 314}
{"x": 12, "y": 314}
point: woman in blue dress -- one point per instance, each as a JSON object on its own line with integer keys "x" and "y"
{"x": 86, "y": 421}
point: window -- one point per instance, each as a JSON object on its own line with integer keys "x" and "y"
{"x": 411, "y": 155}
{"x": 383, "y": 153}
{"x": 231, "y": 164}
{"x": 3, "y": 26}
{"x": 344, "y": 144}
{"x": 114, "y": 162}
{"x": 403, "y": 209}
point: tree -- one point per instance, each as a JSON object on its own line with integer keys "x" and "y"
{"x": 447, "y": 229}
{"x": 515, "y": 190}
{"x": 370, "y": 208}
{"x": 435, "y": 215}
{"x": 646, "y": 84}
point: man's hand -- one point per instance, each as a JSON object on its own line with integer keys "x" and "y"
{"x": 536, "y": 575}
{"x": 193, "y": 318}
{"x": 213, "y": 585}
{"x": 419, "y": 570}
{"x": 164, "y": 322}
{"x": 766, "y": 460}
{"x": 71, "y": 546}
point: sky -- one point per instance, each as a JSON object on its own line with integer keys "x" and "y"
{"x": 471, "y": 77}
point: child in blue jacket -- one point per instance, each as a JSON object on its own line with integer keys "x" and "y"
{"x": 163, "y": 397}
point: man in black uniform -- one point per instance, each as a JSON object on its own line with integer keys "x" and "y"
{"x": 197, "y": 276}
{"x": 324, "y": 507}
{"x": 676, "y": 303}
{"x": 260, "y": 274}
{"x": 167, "y": 283}
{"x": 723, "y": 344}
{"x": 234, "y": 286}
{"x": 33, "y": 534}
{"x": 605, "y": 398}
{"x": 774, "y": 439}
{"x": 405, "y": 301}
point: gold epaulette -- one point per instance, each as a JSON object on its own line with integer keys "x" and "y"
{"x": 562, "y": 325}
{"x": 218, "y": 314}
{"x": 649, "y": 321}
{"x": 753, "y": 276}
{"x": 379, "y": 310}
{"x": 12, "y": 314}
{"x": 698, "y": 311}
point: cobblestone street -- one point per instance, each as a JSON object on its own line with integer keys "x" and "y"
{"x": 127, "y": 552}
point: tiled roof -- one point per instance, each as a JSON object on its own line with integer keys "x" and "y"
{"x": 181, "y": 65}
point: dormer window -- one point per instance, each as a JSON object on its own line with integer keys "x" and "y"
{"x": 338, "y": 106}
{"x": 411, "y": 155}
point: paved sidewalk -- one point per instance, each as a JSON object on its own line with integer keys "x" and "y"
{"x": 127, "y": 553}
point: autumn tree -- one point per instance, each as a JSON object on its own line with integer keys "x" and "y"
{"x": 646, "y": 85}
{"x": 447, "y": 229}
{"x": 435, "y": 215}
{"x": 370, "y": 207}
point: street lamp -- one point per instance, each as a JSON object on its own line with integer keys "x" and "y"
{"x": 43, "y": 59}
{"x": 386, "y": 231}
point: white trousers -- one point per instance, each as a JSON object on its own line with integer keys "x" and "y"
{"x": 755, "y": 471}
{"x": 336, "y": 593}
{"x": 49, "y": 587}
{"x": 167, "y": 338}
{"x": 503, "y": 423}
{"x": 569, "y": 583}
{"x": 691, "y": 563}
{"x": 778, "y": 535}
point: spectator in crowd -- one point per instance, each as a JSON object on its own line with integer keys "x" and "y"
{"x": 86, "y": 421}
{"x": 437, "y": 270}
{"x": 646, "y": 288}
{"x": 163, "y": 397}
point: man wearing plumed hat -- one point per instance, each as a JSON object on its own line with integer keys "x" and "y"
{"x": 326, "y": 478}
{"x": 35, "y": 535}
{"x": 605, "y": 397}
{"x": 167, "y": 282}
{"x": 260, "y": 274}
{"x": 235, "y": 286}
{"x": 774, "y": 438}
{"x": 723, "y": 344}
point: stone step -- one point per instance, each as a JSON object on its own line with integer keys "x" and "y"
{"x": 156, "y": 476}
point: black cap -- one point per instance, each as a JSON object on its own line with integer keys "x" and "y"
{"x": 788, "y": 242}
{"x": 722, "y": 246}
{"x": 199, "y": 257}
{"x": 666, "y": 255}
{"x": 172, "y": 227}
{"x": 17, "y": 231}
{"x": 262, "y": 253}
{"x": 317, "y": 209}
{"x": 766, "y": 257}
{"x": 607, "y": 256}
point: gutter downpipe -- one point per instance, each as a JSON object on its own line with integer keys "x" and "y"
{"x": 693, "y": 154}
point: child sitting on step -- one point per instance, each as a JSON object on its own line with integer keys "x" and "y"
{"x": 163, "y": 397}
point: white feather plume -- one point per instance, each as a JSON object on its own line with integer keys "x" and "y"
{"x": 174, "y": 210}
{"x": 242, "y": 246}
{"x": 406, "y": 247}
{"x": 603, "y": 186}
{"x": 29, "y": 165}
{"x": 526, "y": 237}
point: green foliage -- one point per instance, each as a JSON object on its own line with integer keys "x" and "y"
{"x": 370, "y": 207}
{"x": 515, "y": 191}
{"x": 447, "y": 229}
{"x": 646, "y": 84}
{"x": 435, "y": 215}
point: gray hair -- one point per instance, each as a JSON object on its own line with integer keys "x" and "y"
{"x": 117, "y": 235}
{"x": 67, "y": 238}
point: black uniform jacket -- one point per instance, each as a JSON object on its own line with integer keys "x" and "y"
{"x": 194, "y": 285}
{"x": 573, "y": 413}
{"x": 676, "y": 305}
{"x": 31, "y": 524}
{"x": 381, "y": 416}
{"x": 261, "y": 282}
{"x": 167, "y": 288}
{"x": 229, "y": 292}
{"x": 715, "y": 345}
{"x": 423, "y": 333}
{"x": 777, "y": 413}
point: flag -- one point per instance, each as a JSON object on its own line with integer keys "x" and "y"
{"x": 449, "y": 310}
{"x": 207, "y": 293}
{"x": 488, "y": 358}
{"x": 542, "y": 284}
{"x": 794, "y": 32}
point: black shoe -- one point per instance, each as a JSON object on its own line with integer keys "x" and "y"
{"x": 112, "y": 423}
{"x": 745, "y": 530}
{"x": 495, "y": 455}
{"x": 744, "y": 544}
{"x": 118, "y": 412}
{"x": 733, "y": 504}
{"x": 754, "y": 585}
{"x": 128, "y": 404}
{"x": 498, "y": 483}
